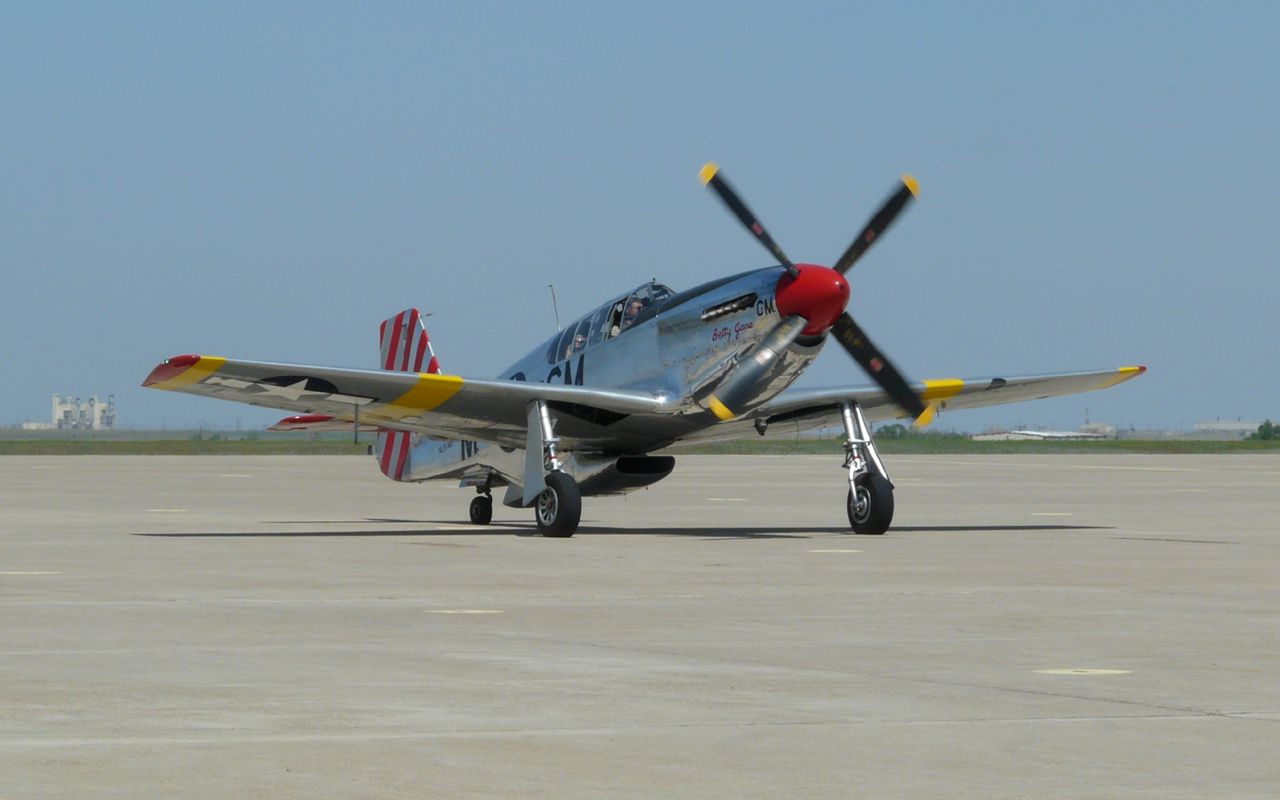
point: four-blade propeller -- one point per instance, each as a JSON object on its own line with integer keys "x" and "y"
{"x": 812, "y": 300}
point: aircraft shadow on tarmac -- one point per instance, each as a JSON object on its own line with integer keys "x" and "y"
{"x": 458, "y": 528}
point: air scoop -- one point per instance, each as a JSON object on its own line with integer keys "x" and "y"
{"x": 819, "y": 294}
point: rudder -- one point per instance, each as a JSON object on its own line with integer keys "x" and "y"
{"x": 405, "y": 347}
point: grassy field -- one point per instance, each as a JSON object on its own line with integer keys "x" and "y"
{"x": 183, "y": 447}
{"x": 943, "y": 444}
{"x": 923, "y": 445}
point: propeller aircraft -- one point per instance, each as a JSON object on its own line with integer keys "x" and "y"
{"x": 589, "y": 411}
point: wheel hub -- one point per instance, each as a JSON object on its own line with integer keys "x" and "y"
{"x": 861, "y": 504}
{"x": 547, "y": 507}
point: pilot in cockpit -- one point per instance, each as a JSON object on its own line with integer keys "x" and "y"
{"x": 575, "y": 346}
{"x": 634, "y": 309}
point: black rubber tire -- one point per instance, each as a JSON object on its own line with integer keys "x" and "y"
{"x": 481, "y": 510}
{"x": 875, "y": 517}
{"x": 558, "y": 508}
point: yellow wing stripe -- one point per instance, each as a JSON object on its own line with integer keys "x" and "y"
{"x": 429, "y": 393}
{"x": 206, "y": 366}
{"x": 941, "y": 389}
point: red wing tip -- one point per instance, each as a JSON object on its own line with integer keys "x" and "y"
{"x": 170, "y": 368}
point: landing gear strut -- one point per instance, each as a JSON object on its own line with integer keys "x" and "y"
{"x": 551, "y": 491}
{"x": 870, "y": 499}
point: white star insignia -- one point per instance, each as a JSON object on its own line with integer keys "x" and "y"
{"x": 293, "y": 391}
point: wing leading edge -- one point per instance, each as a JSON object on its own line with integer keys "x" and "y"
{"x": 436, "y": 405}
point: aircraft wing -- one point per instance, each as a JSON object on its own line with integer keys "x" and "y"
{"x": 811, "y": 409}
{"x": 447, "y": 406}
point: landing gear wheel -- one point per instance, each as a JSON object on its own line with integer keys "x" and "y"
{"x": 559, "y": 507}
{"x": 481, "y": 510}
{"x": 870, "y": 504}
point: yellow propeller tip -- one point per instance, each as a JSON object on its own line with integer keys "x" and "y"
{"x": 720, "y": 409}
{"x": 925, "y": 419}
{"x": 708, "y": 172}
{"x": 912, "y": 185}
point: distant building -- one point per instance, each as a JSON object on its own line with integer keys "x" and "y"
{"x": 70, "y": 414}
{"x": 1227, "y": 429}
{"x": 1027, "y": 436}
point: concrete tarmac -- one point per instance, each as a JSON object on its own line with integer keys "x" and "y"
{"x": 1034, "y": 626}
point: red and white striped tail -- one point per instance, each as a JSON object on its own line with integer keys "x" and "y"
{"x": 405, "y": 348}
{"x": 405, "y": 345}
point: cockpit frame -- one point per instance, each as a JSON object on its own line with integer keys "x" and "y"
{"x": 609, "y": 320}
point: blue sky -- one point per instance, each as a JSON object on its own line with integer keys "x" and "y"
{"x": 270, "y": 181}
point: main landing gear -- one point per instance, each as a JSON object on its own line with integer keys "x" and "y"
{"x": 558, "y": 507}
{"x": 482, "y": 509}
{"x": 870, "y": 499}
{"x": 553, "y": 493}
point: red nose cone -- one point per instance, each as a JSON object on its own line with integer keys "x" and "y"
{"x": 819, "y": 294}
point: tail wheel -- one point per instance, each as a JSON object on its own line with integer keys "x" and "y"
{"x": 558, "y": 508}
{"x": 870, "y": 504}
{"x": 481, "y": 510}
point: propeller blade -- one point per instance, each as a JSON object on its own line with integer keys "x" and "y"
{"x": 731, "y": 396}
{"x": 878, "y": 224}
{"x": 881, "y": 370}
{"x": 710, "y": 175}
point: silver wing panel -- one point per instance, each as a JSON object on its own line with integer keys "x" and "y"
{"x": 435, "y": 405}
{"x": 813, "y": 409}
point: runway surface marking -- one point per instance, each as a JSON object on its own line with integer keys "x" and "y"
{"x": 166, "y": 510}
{"x": 1064, "y": 466}
{"x": 1051, "y": 513}
{"x": 834, "y": 550}
{"x": 1164, "y": 539}
{"x": 463, "y": 611}
{"x": 1082, "y": 671}
{"x": 30, "y": 572}
{"x": 235, "y": 475}
{"x": 727, "y": 499}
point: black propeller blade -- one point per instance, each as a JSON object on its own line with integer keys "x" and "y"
{"x": 878, "y": 224}
{"x": 711, "y": 177}
{"x": 879, "y": 367}
{"x": 730, "y": 397}
{"x": 736, "y": 391}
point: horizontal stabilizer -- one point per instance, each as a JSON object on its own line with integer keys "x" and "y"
{"x": 318, "y": 423}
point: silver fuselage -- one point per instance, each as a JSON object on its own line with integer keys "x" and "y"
{"x": 679, "y": 351}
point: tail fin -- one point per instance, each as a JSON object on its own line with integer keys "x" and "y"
{"x": 405, "y": 348}
{"x": 405, "y": 345}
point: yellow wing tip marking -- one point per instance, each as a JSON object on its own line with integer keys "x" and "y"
{"x": 941, "y": 389}
{"x": 1123, "y": 374}
{"x": 708, "y": 172}
{"x": 720, "y": 409}
{"x": 912, "y": 184}
{"x": 171, "y": 374}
